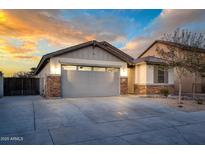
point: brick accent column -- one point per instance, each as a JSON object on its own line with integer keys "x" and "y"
{"x": 53, "y": 86}
{"x": 151, "y": 89}
{"x": 123, "y": 85}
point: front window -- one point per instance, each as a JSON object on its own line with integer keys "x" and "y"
{"x": 99, "y": 69}
{"x": 91, "y": 68}
{"x": 112, "y": 69}
{"x": 160, "y": 74}
{"x": 84, "y": 68}
{"x": 70, "y": 67}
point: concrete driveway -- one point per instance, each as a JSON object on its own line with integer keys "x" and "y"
{"x": 102, "y": 120}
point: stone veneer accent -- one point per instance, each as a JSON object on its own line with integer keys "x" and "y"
{"x": 151, "y": 89}
{"x": 53, "y": 86}
{"x": 123, "y": 85}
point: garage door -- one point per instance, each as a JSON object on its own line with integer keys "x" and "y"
{"x": 86, "y": 83}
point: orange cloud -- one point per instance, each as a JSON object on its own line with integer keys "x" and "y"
{"x": 26, "y": 47}
{"x": 136, "y": 46}
{"x": 2, "y": 17}
{"x": 38, "y": 24}
{"x": 27, "y": 57}
{"x": 131, "y": 45}
{"x": 47, "y": 24}
{"x": 30, "y": 26}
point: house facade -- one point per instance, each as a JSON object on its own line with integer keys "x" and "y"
{"x": 188, "y": 78}
{"x": 89, "y": 69}
{"x": 100, "y": 69}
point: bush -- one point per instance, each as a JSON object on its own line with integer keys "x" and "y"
{"x": 164, "y": 92}
{"x": 199, "y": 100}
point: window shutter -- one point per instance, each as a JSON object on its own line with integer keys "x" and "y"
{"x": 155, "y": 74}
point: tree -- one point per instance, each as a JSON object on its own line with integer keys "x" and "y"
{"x": 174, "y": 58}
{"x": 195, "y": 63}
{"x": 194, "y": 60}
{"x": 186, "y": 37}
{"x": 32, "y": 70}
{"x": 25, "y": 74}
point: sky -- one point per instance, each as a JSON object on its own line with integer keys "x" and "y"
{"x": 26, "y": 35}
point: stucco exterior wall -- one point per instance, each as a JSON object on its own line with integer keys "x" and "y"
{"x": 150, "y": 74}
{"x": 43, "y": 76}
{"x": 187, "y": 83}
{"x": 144, "y": 74}
{"x": 171, "y": 76}
{"x": 144, "y": 80}
{"x": 152, "y": 50}
{"x": 141, "y": 74}
{"x": 131, "y": 79}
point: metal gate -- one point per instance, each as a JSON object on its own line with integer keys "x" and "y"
{"x": 21, "y": 86}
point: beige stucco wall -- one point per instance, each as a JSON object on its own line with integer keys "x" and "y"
{"x": 150, "y": 68}
{"x": 131, "y": 79}
{"x": 187, "y": 82}
{"x": 150, "y": 74}
{"x": 141, "y": 74}
{"x": 152, "y": 50}
{"x": 144, "y": 75}
{"x": 170, "y": 76}
{"x": 42, "y": 76}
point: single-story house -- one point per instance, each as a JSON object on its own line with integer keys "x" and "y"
{"x": 100, "y": 69}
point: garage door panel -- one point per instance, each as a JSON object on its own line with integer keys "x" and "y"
{"x": 89, "y": 83}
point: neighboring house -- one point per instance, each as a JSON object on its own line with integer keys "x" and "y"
{"x": 100, "y": 69}
{"x": 188, "y": 79}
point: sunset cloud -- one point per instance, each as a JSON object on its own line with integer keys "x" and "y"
{"x": 22, "y": 30}
{"x": 26, "y": 35}
{"x": 27, "y": 57}
{"x": 47, "y": 24}
{"x": 166, "y": 22}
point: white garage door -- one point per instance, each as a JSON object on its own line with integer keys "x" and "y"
{"x": 89, "y": 81}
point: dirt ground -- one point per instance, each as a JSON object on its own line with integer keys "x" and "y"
{"x": 186, "y": 105}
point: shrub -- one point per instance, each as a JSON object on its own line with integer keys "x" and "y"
{"x": 199, "y": 100}
{"x": 164, "y": 92}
